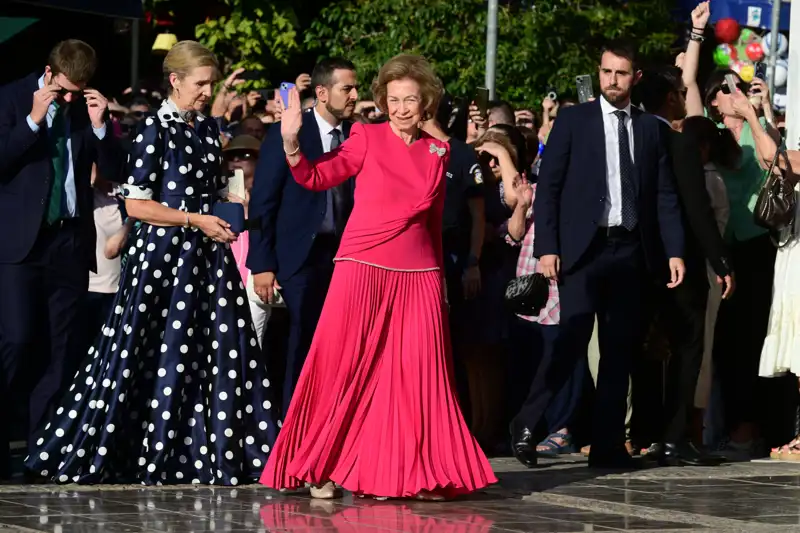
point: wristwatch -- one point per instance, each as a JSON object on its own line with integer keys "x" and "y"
{"x": 472, "y": 261}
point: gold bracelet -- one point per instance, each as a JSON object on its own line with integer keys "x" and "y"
{"x": 289, "y": 154}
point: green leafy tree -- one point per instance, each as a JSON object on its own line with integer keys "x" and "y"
{"x": 540, "y": 47}
{"x": 255, "y": 35}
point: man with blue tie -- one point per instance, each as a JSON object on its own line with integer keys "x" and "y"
{"x": 295, "y": 232}
{"x": 52, "y": 130}
{"x": 607, "y": 219}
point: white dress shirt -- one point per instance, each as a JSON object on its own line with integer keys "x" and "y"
{"x": 325, "y": 129}
{"x": 612, "y": 215}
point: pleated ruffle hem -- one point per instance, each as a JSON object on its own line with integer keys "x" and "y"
{"x": 374, "y": 409}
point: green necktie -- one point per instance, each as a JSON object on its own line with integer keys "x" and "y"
{"x": 58, "y": 150}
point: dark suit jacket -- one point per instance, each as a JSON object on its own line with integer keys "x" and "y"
{"x": 286, "y": 217}
{"x": 571, "y": 191}
{"x": 703, "y": 239}
{"x": 26, "y": 171}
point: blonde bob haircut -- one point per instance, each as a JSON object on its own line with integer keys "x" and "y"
{"x": 186, "y": 56}
{"x": 407, "y": 66}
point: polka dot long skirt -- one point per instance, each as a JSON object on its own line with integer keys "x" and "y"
{"x": 174, "y": 390}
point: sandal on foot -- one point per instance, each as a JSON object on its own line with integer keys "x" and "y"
{"x": 787, "y": 452}
{"x": 550, "y": 448}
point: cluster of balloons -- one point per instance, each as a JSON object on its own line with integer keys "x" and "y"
{"x": 742, "y": 48}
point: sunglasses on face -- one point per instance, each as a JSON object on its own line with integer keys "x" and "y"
{"x": 61, "y": 91}
{"x": 742, "y": 86}
{"x": 243, "y": 155}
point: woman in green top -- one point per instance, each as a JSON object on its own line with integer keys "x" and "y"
{"x": 742, "y": 322}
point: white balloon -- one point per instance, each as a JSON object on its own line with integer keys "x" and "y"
{"x": 781, "y": 72}
{"x": 783, "y": 44}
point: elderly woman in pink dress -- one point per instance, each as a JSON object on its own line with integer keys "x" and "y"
{"x": 375, "y": 410}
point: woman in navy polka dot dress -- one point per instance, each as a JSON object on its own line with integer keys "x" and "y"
{"x": 173, "y": 390}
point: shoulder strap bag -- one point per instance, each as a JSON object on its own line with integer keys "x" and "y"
{"x": 776, "y": 203}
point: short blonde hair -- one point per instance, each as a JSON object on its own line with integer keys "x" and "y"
{"x": 186, "y": 56}
{"x": 407, "y": 66}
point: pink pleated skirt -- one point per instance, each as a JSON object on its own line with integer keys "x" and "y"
{"x": 375, "y": 410}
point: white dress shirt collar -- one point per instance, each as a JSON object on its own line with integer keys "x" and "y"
{"x": 609, "y": 109}
{"x": 325, "y": 127}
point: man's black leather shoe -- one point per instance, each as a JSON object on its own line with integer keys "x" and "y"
{"x": 685, "y": 454}
{"x": 524, "y": 447}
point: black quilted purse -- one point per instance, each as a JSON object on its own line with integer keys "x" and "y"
{"x": 775, "y": 206}
{"x": 527, "y": 295}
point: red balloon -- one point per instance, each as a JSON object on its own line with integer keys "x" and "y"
{"x": 754, "y": 51}
{"x": 727, "y": 30}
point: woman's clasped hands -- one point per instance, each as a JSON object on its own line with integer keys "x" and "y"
{"x": 215, "y": 228}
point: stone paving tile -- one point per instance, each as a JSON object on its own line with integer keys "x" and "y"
{"x": 561, "y": 497}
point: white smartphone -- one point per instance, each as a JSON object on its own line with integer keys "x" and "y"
{"x": 730, "y": 81}
{"x": 236, "y": 183}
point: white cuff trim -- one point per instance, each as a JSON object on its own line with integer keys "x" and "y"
{"x": 135, "y": 192}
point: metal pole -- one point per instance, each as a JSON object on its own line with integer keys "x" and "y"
{"x": 773, "y": 45}
{"x": 491, "y": 48}
{"x": 134, "y": 52}
{"x": 793, "y": 88}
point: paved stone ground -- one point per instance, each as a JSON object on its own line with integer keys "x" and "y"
{"x": 562, "y": 496}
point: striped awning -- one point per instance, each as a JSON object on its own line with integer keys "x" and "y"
{"x": 10, "y": 26}
{"x": 111, "y": 8}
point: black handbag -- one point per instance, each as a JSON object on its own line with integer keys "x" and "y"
{"x": 527, "y": 295}
{"x": 776, "y": 203}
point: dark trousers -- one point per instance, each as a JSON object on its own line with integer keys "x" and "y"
{"x": 41, "y": 325}
{"x": 607, "y": 282}
{"x": 304, "y": 294}
{"x": 533, "y": 347}
{"x": 682, "y": 311}
{"x": 741, "y": 328}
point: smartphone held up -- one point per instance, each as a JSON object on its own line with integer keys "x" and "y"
{"x": 285, "y": 87}
{"x": 482, "y": 101}
{"x": 584, "y": 87}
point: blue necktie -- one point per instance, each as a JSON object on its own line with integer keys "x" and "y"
{"x": 630, "y": 216}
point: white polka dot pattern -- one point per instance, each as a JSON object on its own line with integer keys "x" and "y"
{"x": 160, "y": 397}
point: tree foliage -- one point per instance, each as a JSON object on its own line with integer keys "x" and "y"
{"x": 255, "y": 35}
{"x": 540, "y": 47}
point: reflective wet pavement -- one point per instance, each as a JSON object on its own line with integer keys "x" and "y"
{"x": 562, "y": 497}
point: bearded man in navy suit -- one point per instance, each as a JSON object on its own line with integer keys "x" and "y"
{"x": 607, "y": 220}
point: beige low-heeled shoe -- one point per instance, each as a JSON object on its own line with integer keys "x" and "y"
{"x": 328, "y": 491}
{"x": 428, "y": 496}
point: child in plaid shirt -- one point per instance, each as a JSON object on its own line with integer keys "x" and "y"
{"x": 538, "y": 335}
